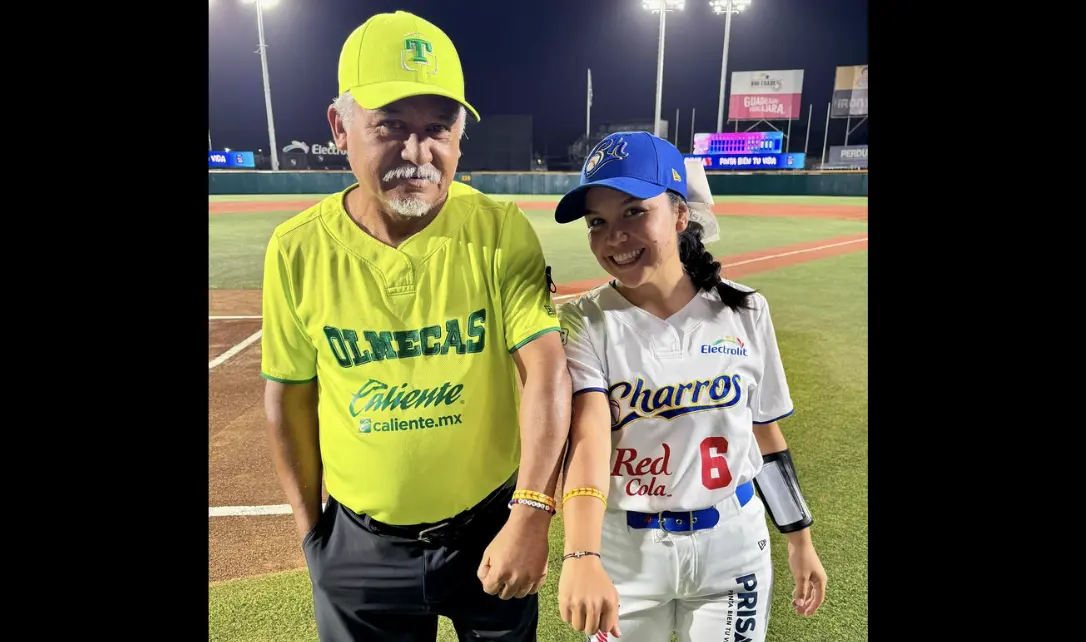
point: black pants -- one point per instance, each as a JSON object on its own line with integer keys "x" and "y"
{"x": 383, "y": 583}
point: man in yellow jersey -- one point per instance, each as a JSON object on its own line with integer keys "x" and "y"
{"x": 398, "y": 316}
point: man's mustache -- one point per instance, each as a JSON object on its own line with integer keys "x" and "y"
{"x": 424, "y": 172}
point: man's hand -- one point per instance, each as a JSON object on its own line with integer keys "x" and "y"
{"x": 810, "y": 577}
{"x": 587, "y": 599}
{"x": 515, "y": 563}
{"x": 305, "y": 522}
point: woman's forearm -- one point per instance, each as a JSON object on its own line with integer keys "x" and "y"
{"x": 587, "y": 467}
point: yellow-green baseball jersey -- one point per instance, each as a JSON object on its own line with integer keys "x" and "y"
{"x": 411, "y": 348}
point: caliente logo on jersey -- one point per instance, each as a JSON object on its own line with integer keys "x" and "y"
{"x": 727, "y": 345}
{"x": 378, "y": 397}
{"x": 671, "y": 401}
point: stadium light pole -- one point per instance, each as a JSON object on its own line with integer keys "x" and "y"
{"x": 661, "y": 6}
{"x": 726, "y": 7}
{"x": 260, "y": 6}
{"x": 209, "y": 3}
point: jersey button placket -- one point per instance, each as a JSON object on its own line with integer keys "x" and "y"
{"x": 671, "y": 347}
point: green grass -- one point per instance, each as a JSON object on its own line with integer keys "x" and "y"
{"x": 820, "y": 313}
{"x": 236, "y": 242}
{"x": 566, "y": 246}
{"x": 279, "y": 607}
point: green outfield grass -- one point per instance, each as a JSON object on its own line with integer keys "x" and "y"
{"x": 820, "y": 313}
{"x": 236, "y": 242}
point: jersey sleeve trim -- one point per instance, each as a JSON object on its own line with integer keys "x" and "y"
{"x": 591, "y": 389}
{"x": 533, "y": 337}
{"x": 784, "y": 416}
{"x": 267, "y": 376}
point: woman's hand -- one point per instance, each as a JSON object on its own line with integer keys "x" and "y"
{"x": 587, "y": 599}
{"x": 810, "y": 577}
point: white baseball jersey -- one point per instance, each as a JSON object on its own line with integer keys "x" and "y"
{"x": 683, "y": 393}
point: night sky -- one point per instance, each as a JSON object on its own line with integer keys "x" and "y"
{"x": 530, "y": 57}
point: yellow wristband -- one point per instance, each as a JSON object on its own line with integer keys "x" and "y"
{"x": 534, "y": 496}
{"x": 584, "y": 492}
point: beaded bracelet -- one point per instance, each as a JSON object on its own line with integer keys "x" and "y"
{"x": 532, "y": 503}
{"x": 584, "y": 492}
{"x": 534, "y": 496}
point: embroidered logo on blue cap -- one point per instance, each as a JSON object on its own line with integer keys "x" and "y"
{"x": 607, "y": 150}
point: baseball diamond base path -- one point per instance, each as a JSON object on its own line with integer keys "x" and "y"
{"x": 241, "y": 472}
{"x": 842, "y": 212}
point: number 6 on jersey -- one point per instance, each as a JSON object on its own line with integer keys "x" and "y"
{"x": 714, "y": 468}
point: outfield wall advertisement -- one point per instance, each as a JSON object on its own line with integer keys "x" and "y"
{"x": 848, "y": 155}
{"x": 229, "y": 159}
{"x": 849, "y": 92}
{"x": 766, "y": 95}
{"x": 751, "y": 162}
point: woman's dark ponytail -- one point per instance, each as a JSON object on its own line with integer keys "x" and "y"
{"x": 703, "y": 269}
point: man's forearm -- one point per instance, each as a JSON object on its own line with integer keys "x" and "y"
{"x": 544, "y": 427}
{"x": 295, "y": 446}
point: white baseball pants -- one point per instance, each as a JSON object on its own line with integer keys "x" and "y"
{"x": 713, "y": 584}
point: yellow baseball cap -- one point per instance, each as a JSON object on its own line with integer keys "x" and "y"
{"x": 393, "y": 56}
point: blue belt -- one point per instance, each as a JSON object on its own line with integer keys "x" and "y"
{"x": 687, "y": 520}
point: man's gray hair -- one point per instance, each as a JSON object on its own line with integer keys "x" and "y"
{"x": 344, "y": 106}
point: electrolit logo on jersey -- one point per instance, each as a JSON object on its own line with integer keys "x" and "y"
{"x": 378, "y": 397}
{"x": 628, "y": 463}
{"x": 728, "y": 345}
{"x": 669, "y": 402}
{"x": 453, "y": 336}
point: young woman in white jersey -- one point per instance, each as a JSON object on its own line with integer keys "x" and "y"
{"x": 678, "y": 388}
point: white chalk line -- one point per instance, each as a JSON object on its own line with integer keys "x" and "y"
{"x": 248, "y": 511}
{"x": 253, "y": 338}
{"x": 285, "y": 509}
{"x": 234, "y": 317}
{"x": 793, "y": 252}
{"x": 755, "y": 260}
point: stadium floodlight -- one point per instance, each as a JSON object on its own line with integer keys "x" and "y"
{"x": 209, "y": 3}
{"x": 726, "y": 7}
{"x": 260, "y": 6}
{"x": 661, "y": 7}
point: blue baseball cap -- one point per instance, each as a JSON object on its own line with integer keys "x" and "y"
{"x": 636, "y": 163}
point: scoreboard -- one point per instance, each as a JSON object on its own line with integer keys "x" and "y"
{"x": 739, "y": 143}
{"x": 744, "y": 150}
{"x": 750, "y": 162}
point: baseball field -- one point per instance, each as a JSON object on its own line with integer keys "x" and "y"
{"x": 807, "y": 255}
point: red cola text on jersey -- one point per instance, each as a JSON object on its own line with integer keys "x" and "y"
{"x": 406, "y": 344}
{"x": 671, "y": 401}
{"x": 629, "y": 463}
